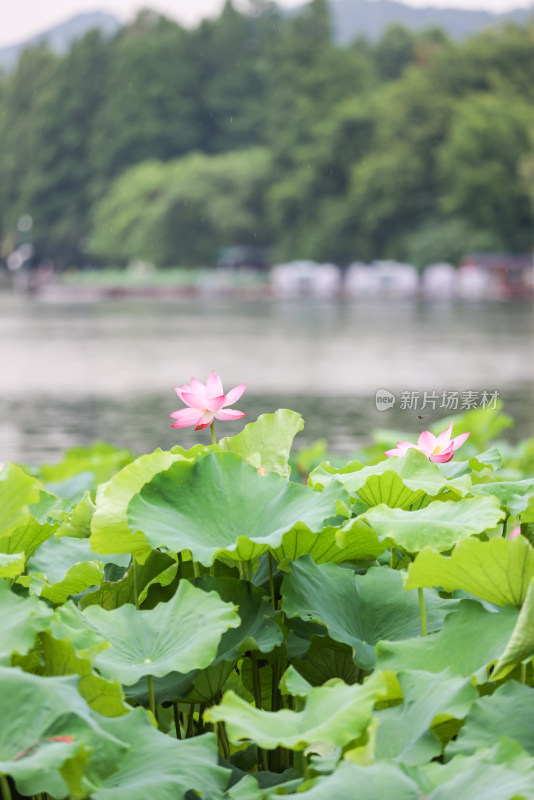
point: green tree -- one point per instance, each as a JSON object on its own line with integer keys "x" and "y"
{"x": 182, "y": 211}
{"x": 58, "y": 189}
{"x": 480, "y": 166}
{"x": 22, "y": 99}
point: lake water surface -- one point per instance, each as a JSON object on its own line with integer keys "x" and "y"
{"x": 75, "y": 372}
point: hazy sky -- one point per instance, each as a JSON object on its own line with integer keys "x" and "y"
{"x": 20, "y": 19}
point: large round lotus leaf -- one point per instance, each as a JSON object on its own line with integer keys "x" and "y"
{"x": 334, "y": 714}
{"x": 471, "y": 639}
{"x": 35, "y": 712}
{"x": 418, "y": 476}
{"x": 521, "y": 643}
{"x": 439, "y": 526}
{"x": 405, "y": 732}
{"x": 359, "y": 610}
{"x": 257, "y": 631}
{"x": 498, "y": 571}
{"x": 105, "y": 697}
{"x": 266, "y": 443}
{"x": 510, "y": 711}
{"x": 181, "y": 635}
{"x": 355, "y": 541}
{"x": 21, "y": 618}
{"x": 109, "y": 525}
{"x": 159, "y": 767}
{"x": 220, "y": 505}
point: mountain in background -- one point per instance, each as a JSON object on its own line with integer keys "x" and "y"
{"x": 60, "y": 37}
{"x": 352, "y": 18}
{"x": 370, "y": 18}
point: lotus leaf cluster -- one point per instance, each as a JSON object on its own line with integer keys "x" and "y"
{"x": 223, "y": 623}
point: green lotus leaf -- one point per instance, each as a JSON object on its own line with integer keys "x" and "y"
{"x": 112, "y": 594}
{"x": 376, "y": 782}
{"x": 439, "y": 526}
{"x": 11, "y": 564}
{"x": 22, "y": 619}
{"x": 18, "y": 490}
{"x": 527, "y": 515}
{"x": 489, "y": 459}
{"x": 220, "y": 506}
{"x": 36, "y": 710}
{"x": 498, "y": 571}
{"x": 25, "y": 539}
{"x": 418, "y": 477}
{"x": 334, "y": 714}
{"x": 105, "y": 697}
{"x": 511, "y": 494}
{"x": 181, "y": 635}
{"x": 66, "y": 566}
{"x": 78, "y": 524}
{"x": 101, "y": 460}
{"x": 504, "y": 771}
{"x": 508, "y": 711}
{"x": 21, "y": 532}
{"x": 471, "y": 639}
{"x": 293, "y": 683}
{"x": 354, "y": 541}
{"x": 257, "y": 631}
{"x": 159, "y": 767}
{"x": 109, "y": 526}
{"x": 327, "y": 659}
{"x": 69, "y": 623}
{"x": 358, "y": 610}
{"x": 267, "y": 442}
{"x": 405, "y": 732}
{"x": 521, "y": 643}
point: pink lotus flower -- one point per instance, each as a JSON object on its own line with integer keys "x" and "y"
{"x": 206, "y": 403}
{"x": 438, "y": 448}
{"x": 514, "y": 533}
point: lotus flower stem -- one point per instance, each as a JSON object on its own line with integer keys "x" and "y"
{"x": 134, "y": 572}
{"x": 271, "y": 581}
{"x": 6, "y": 791}
{"x": 212, "y": 428}
{"x": 176, "y": 713}
{"x": 422, "y": 611}
{"x": 523, "y": 673}
{"x": 223, "y": 739}
{"x": 189, "y": 731}
{"x": 151, "y": 696}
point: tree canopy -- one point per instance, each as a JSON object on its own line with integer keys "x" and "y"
{"x": 256, "y": 128}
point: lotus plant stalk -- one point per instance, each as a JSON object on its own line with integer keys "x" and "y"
{"x": 422, "y": 611}
{"x": 6, "y": 791}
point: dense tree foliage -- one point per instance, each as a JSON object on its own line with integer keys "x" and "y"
{"x": 256, "y": 128}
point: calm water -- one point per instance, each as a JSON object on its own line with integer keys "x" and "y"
{"x": 72, "y": 373}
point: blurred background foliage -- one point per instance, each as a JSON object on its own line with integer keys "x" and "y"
{"x": 166, "y": 143}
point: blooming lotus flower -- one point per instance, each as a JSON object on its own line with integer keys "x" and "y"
{"x": 514, "y": 533}
{"x": 206, "y": 403}
{"x": 437, "y": 448}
